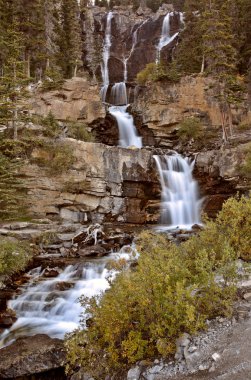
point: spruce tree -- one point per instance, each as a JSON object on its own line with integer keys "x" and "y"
{"x": 68, "y": 37}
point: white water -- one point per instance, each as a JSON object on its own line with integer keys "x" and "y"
{"x": 119, "y": 94}
{"x": 180, "y": 206}
{"x": 165, "y": 38}
{"x": 128, "y": 136}
{"x": 106, "y": 56}
{"x": 44, "y": 308}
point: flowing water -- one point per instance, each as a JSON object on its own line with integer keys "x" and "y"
{"x": 166, "y": 37}
{"x": 128, "y": 135}
{"x": 180, "y": 206}
{"x": 51, "y": 306}
{"x": 106, "y": 56}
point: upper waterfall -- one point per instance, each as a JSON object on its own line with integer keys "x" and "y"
{"x": 166, "y": 37}
{"x": 180, "y": 200}
{"x": 106, "y": 56}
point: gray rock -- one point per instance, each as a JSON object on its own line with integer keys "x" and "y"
{"x": 134, "y": 373}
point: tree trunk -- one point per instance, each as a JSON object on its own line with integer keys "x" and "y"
{"x": 14, "y": 124}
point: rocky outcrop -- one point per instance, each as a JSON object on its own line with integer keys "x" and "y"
{"x": 105, "y": 184}
{"x": 78, "y": 99}
{"x": 163, "y": 106}
{"x": 134, "y": 36}
{"x": 30, "y": 356}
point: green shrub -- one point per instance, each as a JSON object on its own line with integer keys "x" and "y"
{"x": 55, "y": 157}
{"x": 158, "y": 72}
{"x": 52, "y": 127}
{"x": 245, "y": 169}
{"x": 234, "y": 222}
{"x": 12, "y": 191}
{"x": 79, "y": 131}
{"x": 173, "y": 290}
{"x": 14, "y": 256}
{"x": 190, "y": 128}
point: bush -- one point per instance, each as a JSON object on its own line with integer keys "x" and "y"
{"x": 158, "y": 72}
{"x": 79, "y": 131}
{"x": 234, "y": 223}
{"x": 173, "y": 290}
{"x": 190, "y": 128}
{"x": 56, "y": 157}
{"x": 14, "y": 256}
{"x": 12, "y": 192}
{"x": 245, "y": 169}
{"x": 52, "y": 127}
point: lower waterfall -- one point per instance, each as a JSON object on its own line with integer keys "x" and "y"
{"x": 180, "y": 203}
{"x": 51, "y": 305}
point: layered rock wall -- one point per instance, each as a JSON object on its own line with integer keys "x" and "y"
{"x": 105, "y": 184}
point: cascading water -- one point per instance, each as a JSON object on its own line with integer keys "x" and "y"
{"x": 165, "y": 38}
{"x": 106, "y": 56}
{"x": 51, "y": 306}
{"x": 127, "y": 132}
{"x": 180, "y": 202}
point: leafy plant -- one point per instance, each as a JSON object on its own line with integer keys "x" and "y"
{"x": 14, "y": 256}
{"x": 12, "y": 193}
{"x": 79, "y": 131}
{"x": 245, "y": 169}
{"x": 158, "y": 72}
{"x": 190, "y": 128}
{"x": 55, "y": 157}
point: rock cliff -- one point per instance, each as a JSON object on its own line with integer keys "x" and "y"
{"x": 105, "y": 184}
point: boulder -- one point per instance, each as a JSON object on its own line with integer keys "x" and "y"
{"x": 30, "y": 356}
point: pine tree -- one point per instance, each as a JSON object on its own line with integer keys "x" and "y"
{"x": 188, "y": 54}
{"x": 68, "y": 37}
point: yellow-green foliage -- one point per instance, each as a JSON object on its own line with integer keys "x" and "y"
{"x": 245, "y": 169}
{"x": 173, "y": 290}
{"x": 57, "y": 158}
{"x": 234, "y": 222}
{"x": 14, "y": 256}
{"x": 190, "y": 128}
{"x": 79, "y": 131}
{"x": 158, "y": 72}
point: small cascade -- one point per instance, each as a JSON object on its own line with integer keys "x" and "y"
{"x": 106, "y": 56}
{"x": 180, "y": 201}
{"x": 119, "y": 94}
{"x": 127, "y": 131}
{"x": 165, "y": 38}
{"x": 51, "y": 305}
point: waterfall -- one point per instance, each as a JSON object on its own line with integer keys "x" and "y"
{"x": 106, "y": 56}
{"x": 165, "y": 38}
{"x": 127, "y": 132}
{"x": 119, "y": 94}
{"x": 180, "y": 206}
{"x": 51, "y": 305}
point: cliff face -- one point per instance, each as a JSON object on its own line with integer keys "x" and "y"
{"x": 105, "y": 184}
{"x": 134, "y": 37}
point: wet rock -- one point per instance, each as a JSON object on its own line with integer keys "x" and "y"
{"x": 92, "y": 251}
{"x": 30, "y": 356}
{"x": 7, "y": 318}
{"x": 51, "y": 272}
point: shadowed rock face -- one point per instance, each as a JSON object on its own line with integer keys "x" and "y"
{"x": 31, "y": 355}
{"x": 138, "y": 30}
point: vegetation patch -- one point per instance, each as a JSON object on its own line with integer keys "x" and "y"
{"x": 245, "y": 169}
{"x": 154, "y": 72}
{"x": 55, "y": 157}
{"x": 190, "y": 128}
{"x": 173, "y": 289}
{"x": 14, "y": 256}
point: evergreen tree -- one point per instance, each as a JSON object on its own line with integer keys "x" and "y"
{"x": 68, "y": 37}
